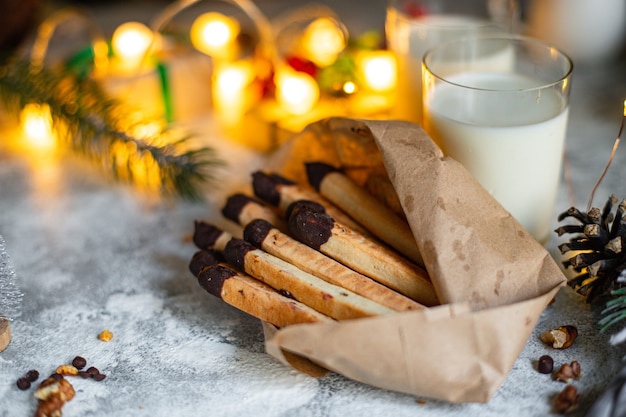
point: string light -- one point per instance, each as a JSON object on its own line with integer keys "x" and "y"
{"x": 36, "y": 124}
{"x": 230, "y": 89}
{"x": 379, "y": 70}
{"x": 130, "y": 43}
{"x": 215, "y": 35}
{"x": 296, "y": 92}
{"x": 322, "y": 41}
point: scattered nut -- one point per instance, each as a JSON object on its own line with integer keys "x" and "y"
{"x": 32, "y": 375}
{"x": 561, "y": 337}
{"x": 79, "y": 362}
{"x": 67, "y": 370}
{"x": 52, "y": 395}
{"x": 567, "y": 373}
{"x": 567, "y": 400}
{"x": 23, "y": 383}
{"x": 105, "y": 335}
{"x": 545, "y": 364}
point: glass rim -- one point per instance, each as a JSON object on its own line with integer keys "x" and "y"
{"x": 417, "y": 21}
{"x": 510, "y": 37}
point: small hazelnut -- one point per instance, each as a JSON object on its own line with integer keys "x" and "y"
{"x": 561, "y": 337}
{"x": 545, "y": 364}
{"x": 566, "y": 400}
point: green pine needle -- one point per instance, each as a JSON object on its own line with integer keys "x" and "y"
{"x": 94, "y": 125}
{"x": 615, "y": 309}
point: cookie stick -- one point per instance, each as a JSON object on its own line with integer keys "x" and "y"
{"x": 364, "y": 208}
{"x": 248, "y": 294}
{"x": 354, "y": 250}
{"x": 242, "y": 209}
{"x": 281, "y": 192}
{"x": 264, "y": 236}
{"x": 328, "y": 299}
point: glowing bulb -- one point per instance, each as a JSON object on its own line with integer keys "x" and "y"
{"x": 130, "y": 42}
{"x": 349, "y": 87}
{"x": 231, "y": 94}
{"x": 215, "y": 34}
{"x": 322, "y": 41}
{"x": 296, "y": 91}
{"x": 36, "y": 122}
{"x": 379, "y": 70}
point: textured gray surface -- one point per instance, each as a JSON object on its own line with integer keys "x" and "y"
{"x": 91, "y": 255}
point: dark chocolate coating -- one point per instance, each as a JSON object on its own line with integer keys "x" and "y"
{"x": 234, "y": 205}
{"x": 310, "y": 205}
{"x": 256, "y": 231}
{"x": 205, "y": 234}
{"x": 309, "y": 227}
{"x": 265, "y": 186}
{"x": 316, "y": 171}
{"x": 235, "y": 252}
{"x": 212, "y": 278}
{"x": 202, "y": 259}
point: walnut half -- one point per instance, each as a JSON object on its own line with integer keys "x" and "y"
{"x": 561, "y": 337}
{"x": 52, "y": 394}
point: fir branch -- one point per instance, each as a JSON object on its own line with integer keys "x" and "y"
{"x": 93, "y": 124}
{"x": 615, "y": 309}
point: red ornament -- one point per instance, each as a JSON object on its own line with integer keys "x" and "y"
{"x": 302, "y": 65}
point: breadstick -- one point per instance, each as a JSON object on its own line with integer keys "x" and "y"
{"x": 322, "y": 232}
{"x": 250, "y": 295}
{"x": 242, "y": 209}
{"x": 329, "y": 299}
{"x": 380, "y": 220}
{"x": 264, "y": 236}
{"x": 281, "y": 192}
{"x": 326, "y": 298}
{"x": 208, "y": 236}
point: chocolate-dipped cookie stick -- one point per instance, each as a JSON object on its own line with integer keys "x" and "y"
{"x": 322, "y": 232}
{"x": 264, "y": 236}
{"x": 328, "y": 299}
{"x": 281, "y": 192}
{"x": 248, "y": 294}
{"x": 359, "y": 204}
{"x": 334, "y": 301}
{"x": 242, "y": 209}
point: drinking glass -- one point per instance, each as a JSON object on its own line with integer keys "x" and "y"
{"x": 413, "y": 27}
{"x": 499, "y": 106}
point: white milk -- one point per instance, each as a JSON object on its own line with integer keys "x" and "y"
{"x": 512, "y": 146}
{"x": 409, "y": 39}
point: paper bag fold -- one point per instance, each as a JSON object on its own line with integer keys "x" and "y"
{"x": 491, "y": 276}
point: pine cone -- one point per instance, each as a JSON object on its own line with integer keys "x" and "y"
{"x": 599, "y": 243}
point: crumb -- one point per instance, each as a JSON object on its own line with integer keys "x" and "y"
{"x": 105, "y": 335}
{"x": 67, "y": 370}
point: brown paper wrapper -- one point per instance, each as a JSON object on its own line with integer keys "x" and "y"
{"x": 492, "y": 278}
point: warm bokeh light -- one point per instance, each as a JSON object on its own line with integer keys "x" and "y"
{"x": 296, "y": 92}
{"x": 130, "y": 43}
{"x": 231, "y": 94}
{"x": 131, "y": 40}
{"x": 349, "y": 87}
{"x": 215, "y": 34}
{"x": 379, "y": 70}
{"x": 36, "y": 123}
{"x": 322, "y": 41}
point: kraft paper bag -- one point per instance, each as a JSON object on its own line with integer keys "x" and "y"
{"x": 492, "y": 278}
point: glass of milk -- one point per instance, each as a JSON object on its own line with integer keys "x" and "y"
{"x": 414, "y": 26}
{"x": 506, "y": 123}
